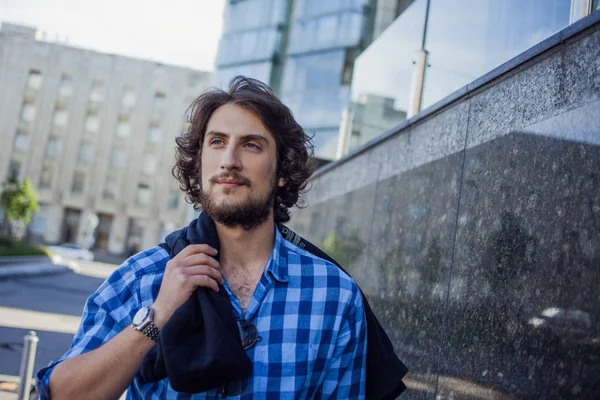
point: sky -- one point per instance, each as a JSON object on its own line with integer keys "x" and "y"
{"x": 177, "y": 32}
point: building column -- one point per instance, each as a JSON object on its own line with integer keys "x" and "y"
{"x": 54, "y": 220}
{"x": 151, "y": 235}
{"x": 118, "y": 233}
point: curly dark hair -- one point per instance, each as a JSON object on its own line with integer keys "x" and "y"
{"x": 294, "y": 146}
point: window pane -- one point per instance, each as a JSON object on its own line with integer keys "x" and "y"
{"x": 78, "y": 182}
{"x": 150, "y": 163}
{"x": 160, "y": 101}
{"x": 53, "y": 147}
{"x": 21, "y": 142}
{"x": 117, "y": 158}
{"x": 382, "y": 77}
{"x": 60, "y": 117}
{"x": 143, "y": 194}
{"x": 65, "y": 88}
{"x": 46, "y": 177}
{"x": 154, "y": 134}
{"x": 247, "y": 46}
{"x": 314, "y": 71}
{"x": 96, "y": 93}
{"x": 34, "y": 80}
{"x": 85, "y": 153}
{"x": 464, "y": 46}
{"x": 123, "y": 128}
{"x": 128, "y": 99}
{"x": 326, "y": 31}
{"x": 92, "y": 123}
{"x": 28, "y": 112}
{"x": 110, "y": 189}
{"x": 14, "y": 170}
{"x": 319, "y": 108}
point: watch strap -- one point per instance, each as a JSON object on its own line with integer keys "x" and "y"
{"x": 151, "y": 331}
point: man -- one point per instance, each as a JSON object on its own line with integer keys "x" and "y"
{"x": 245, "y": 161}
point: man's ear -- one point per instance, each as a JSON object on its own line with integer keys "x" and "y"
{"x": 282, "y": 182}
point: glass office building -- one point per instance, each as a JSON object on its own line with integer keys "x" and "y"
{"x": 352, "y": 69}
{"x": 305, "y": 50}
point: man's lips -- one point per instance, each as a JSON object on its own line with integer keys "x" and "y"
{"x": 229, "y": 183}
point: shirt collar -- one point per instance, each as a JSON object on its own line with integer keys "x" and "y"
{"x": 277, "y": 265}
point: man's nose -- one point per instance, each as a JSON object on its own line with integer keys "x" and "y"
{"x": 230, "y": 159}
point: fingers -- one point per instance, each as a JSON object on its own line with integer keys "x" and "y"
{"x": 211, "y": 272}
{"x": 196, "y": 249}
{"x": 203, "y": 281}
{"x": 197, "y": 259}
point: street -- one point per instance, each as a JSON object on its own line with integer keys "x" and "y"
{"x": 49, "y": 305}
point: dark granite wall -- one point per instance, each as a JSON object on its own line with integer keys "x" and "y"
{"x": 476, "y": 234}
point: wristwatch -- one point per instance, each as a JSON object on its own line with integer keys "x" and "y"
{"x": 143, "y": 322}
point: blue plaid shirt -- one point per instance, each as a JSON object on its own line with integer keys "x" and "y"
{"x": 308, "y": 312}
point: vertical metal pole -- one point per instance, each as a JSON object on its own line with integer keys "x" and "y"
{"x": 344, "y": 133}
{"x": 416, "y": 90}
{"x": 30, "y": 342}
{"x": 580, "y": 9}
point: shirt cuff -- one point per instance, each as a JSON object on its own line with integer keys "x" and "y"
{"x": 42, "y": 381}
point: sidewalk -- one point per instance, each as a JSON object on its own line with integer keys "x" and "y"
{"x": 19, "y": 266}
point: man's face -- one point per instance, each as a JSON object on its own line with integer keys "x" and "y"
{"x": 238, "y": 167}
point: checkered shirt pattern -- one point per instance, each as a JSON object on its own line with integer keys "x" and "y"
{"x": 307, "y": 311}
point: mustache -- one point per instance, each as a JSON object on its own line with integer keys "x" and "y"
{"x": 231, "y": 175}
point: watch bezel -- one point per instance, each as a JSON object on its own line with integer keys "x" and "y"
{"x": 142, "y": 321}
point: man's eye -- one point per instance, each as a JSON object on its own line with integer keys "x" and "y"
{"x": 216, "y": 142}
{"x": 252, "y": 146}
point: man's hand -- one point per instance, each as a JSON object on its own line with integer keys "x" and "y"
{"x": 193, "y": 267}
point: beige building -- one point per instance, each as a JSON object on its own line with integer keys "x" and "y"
{"x": 95, "y": 134}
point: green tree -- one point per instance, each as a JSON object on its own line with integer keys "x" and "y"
{"x": 18, "y": 201}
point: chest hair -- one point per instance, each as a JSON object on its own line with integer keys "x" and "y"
{"x": 242, "y": 283}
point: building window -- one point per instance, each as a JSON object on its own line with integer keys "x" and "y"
{"x": 85, "y": 152}
{"x": 117, "y": 158}
{"x": 28, "y": 112}
{"x": 14, "y": 170}
{"x": 53, "y": 147}
{"x": 46, "y": 177}
{"x": 34, "y": 80}
{"x": 173, "y": 201}
{"x": 91, "y": 123}
{"x": 160, "y": 101}
{"x": 123, "y": 127}
{"x": 154, "y": 134}
{"x": 65, "y": 89}
{"x": 78, "y": 182}
{"x": 96, "y": 93}
{"x": 150, "y": 164}
{"x": 21, "y": 142}
{"x": 143, "y": 194}
{"x": 110, "y": 189}
{"x": 128, "y": 99}
{"x": 60, "y": 117}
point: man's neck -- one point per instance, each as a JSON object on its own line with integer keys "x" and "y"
{"x": 246, "y": 249}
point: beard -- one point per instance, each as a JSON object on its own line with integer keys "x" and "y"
{"x": 248, "y": 213}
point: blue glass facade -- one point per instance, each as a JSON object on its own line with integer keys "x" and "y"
{"x": 304, "y": 49}
{"x": 252, "y": 38}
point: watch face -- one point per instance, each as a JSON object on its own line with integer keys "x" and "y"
{"x": 141, "y": 316}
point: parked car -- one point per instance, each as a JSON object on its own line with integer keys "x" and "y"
{"x": 70, "y": 250}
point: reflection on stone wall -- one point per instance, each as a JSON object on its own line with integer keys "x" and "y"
{"x": 483, "y": 261}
